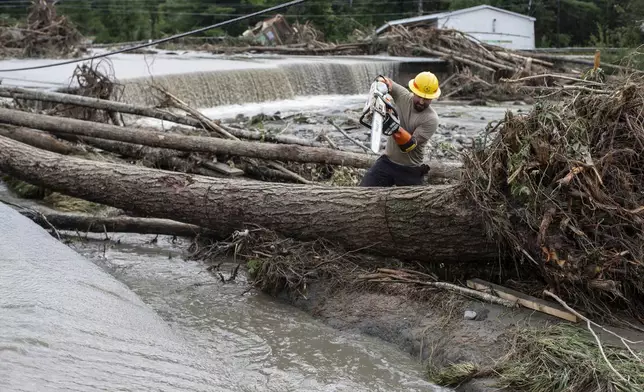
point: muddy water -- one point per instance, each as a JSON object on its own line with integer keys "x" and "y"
{"x": 262, "y": 344}
{"x": 67, "y": 326}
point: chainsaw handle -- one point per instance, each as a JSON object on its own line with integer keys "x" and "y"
{"x": 361, "y": 120}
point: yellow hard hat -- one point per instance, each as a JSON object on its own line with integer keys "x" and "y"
{"x": 425, "y": 85}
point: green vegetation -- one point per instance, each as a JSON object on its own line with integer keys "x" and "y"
{"x": 615, "y": 23}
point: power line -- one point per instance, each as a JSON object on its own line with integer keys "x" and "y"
{"x": 275, "y": 8}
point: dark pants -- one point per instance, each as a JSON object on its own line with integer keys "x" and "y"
{"x": 387, "y": 173}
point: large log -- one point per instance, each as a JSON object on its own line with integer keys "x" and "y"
{"x": 271, "y": 152}
{"x": 418, "y": 223}
{"x": 105, "y": 104}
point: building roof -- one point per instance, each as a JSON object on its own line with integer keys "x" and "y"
{"x": 435, "y": 16}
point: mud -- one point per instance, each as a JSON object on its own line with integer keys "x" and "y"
{"x": 434, "y": 332}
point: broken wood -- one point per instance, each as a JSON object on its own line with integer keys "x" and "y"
{"x": 386, "y": 275}
{"x": 40, "y": 139}
{"x": 185, "y": 143}
{"x": 118, "y": 224}
{"x": 283, "y": 49}
{"x": 104, "y": 104}
{"x": 416, "y": 223}
{"x": 525, "y": 300}
{"x": 354, "y": 141}
{"x": 572, "y": 60}
{"x": 223, "y": 168}
{"x": 446, "y": 56}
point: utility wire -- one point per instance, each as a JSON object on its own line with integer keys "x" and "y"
{"x": 181, "y": 35}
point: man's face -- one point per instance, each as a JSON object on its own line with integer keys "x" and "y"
{"x": 420, "y": 104}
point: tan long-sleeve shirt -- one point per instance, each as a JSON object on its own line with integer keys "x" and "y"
{"x": 420, "y": 124}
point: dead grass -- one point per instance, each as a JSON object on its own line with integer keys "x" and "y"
{"x": 557, "y": 358}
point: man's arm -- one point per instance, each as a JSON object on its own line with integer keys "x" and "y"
{"x": 405, "y": 140}
{"x": 426, "y": 130}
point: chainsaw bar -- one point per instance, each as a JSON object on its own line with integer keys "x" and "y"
{"x": 375, "y": 110}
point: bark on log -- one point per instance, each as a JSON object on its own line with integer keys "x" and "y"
{"x": 40, "y": 139}
{"x": 271, "y": 152}
{"x": 104, "y": 104}
{"x": 417, "y": 223}
{"x": 119, "y": 224}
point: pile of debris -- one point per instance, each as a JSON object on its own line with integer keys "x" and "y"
{"x": 562, "y": 187}
{"x": 480, "y": 70}
{"x": 463, "y": 50}
{"x": 275, "y": 35}
{"x": 43, "y": 34}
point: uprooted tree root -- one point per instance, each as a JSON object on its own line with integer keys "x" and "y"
{"x": 556, "y": 358}
{"x": 96, "y": 80}
{"x": 562, "y": 188}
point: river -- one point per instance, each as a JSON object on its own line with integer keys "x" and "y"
{"x": 67, "y": 325}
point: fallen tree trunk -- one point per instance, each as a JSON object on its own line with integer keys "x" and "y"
{"x": 40, "y": 139}
{"x": 104, "y": 104}
{"x": 118, "y": 224}
{"x": 271, "y": 152}
{"x": 417, "y": 223}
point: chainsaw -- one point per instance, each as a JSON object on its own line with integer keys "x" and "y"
{"x": 377, "y": 109}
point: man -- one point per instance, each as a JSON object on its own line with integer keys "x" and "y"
{"x": 402, "y": 162}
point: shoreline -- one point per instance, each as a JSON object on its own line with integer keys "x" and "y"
{"x": 433, "y": 332}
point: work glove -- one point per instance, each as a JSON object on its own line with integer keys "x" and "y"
{"x": 391, "y": 124}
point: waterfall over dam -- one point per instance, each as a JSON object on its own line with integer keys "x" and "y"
{"x": 261, "y": 84}
{"x": 204, "y": 80}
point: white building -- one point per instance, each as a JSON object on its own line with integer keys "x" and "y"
{"x": 489, "y": 24}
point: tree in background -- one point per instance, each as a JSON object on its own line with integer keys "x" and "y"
{"x": 559, "y": 22}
